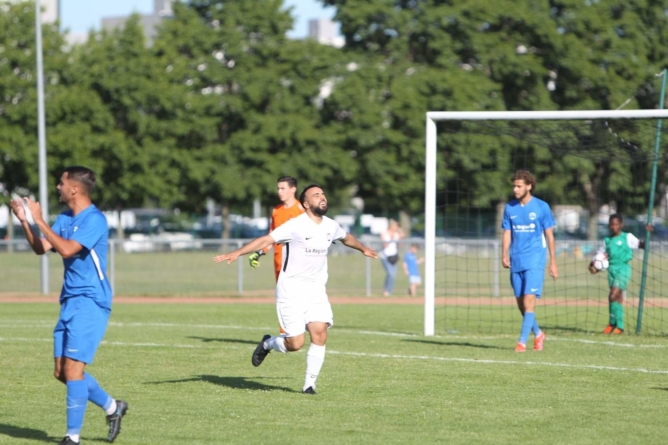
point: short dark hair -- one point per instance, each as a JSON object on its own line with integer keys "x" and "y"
{"x": 302, "y": 197}
{"x": 292, "y": 182}
{"x": 527, "y": 177}
{"x": 83, "y": 175}
{"x": 616, "y": 216}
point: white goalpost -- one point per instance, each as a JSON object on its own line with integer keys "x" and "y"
{"x": 431, "y": 173}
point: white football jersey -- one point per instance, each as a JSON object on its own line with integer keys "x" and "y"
{"x": 305, "y": 245}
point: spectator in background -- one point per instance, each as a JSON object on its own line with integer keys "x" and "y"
{"x": 390, "y": 254}
{"x": 411, "y": 269}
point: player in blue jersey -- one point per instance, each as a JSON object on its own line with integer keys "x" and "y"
{"x": 528, "y": 228}
{"x": 79, "y": 235}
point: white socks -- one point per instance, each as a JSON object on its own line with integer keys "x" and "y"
{"x": 112, "y": 408}
{"x": 315, "y": 357}
{"x": 276, "y": 343}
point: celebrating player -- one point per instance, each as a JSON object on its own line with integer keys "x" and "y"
{"x": 527, "y": 225}
{"x": 288, "y": 208}
{"x": 301, "y": 296}
{"x": 79, "y": 235}
{"x": 619, "y": 249}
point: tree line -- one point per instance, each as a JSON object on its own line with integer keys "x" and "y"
{"x": 223, "y": 102}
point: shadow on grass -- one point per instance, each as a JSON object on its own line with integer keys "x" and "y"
{"x": 230, "y": 382}
{"x": 454, "y": 343}
{"x": 565, "y": 329}
{"x": 225, "y": 340}
{"x": 660, "y": 389}
{"x": 365, "y": 330}
{"x": 25, "y": 433}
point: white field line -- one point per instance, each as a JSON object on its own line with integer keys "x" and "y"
{"x": 104, "y": 342}
{"x": 387, "y": 356}
{"x": 17, "y": 324}
{"x": 499, "y": 362}
{"x": 605, "y": 343}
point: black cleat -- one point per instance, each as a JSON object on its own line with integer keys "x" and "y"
{"x": 114, "y": 420}
{"x": 309, "y": 390}
{"x": 67, "y": 441}
{"x": 260, "y": 353}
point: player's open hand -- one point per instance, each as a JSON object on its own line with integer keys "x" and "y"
{"x": 371, "y": 253}
{"x": 18, "y": 209}
{"x": 506, "y": 262}
{"x": 649, "y": 228}
{"x": 34, "y": 208}
{"x": 229, "y": 257}
{"x": 554, "y": 272}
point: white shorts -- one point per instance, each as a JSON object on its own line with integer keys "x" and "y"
{"x": 415, "y": 279}
{"x": 293, "y": 316}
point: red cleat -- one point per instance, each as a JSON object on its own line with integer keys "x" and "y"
{"x": 538, "y": 341}
{"x": 520, "y": 347}
{"x": 617, "y": 331}
{"x": 608, "y": 329}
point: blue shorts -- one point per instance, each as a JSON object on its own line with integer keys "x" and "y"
{"x": 528, "y": 282}
{"x": 80, "y": 329}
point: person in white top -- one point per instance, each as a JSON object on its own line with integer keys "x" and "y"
{"x": 390, "y": 254}
{"x": 301, "y": 297}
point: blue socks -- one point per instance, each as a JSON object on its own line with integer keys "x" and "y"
{"x": 528, "y": 323}
{"x": 535, "y": 328}
{"x": 96, "y": 394}
{"x": 77, "y": 399}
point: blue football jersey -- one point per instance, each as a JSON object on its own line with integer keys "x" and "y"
{"x": 527, "y": 224}
{"x": 85, "y": 272}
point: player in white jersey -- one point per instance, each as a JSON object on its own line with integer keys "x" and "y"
{"x": 301, "y": 297}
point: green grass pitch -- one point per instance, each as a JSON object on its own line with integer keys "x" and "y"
{"x": 185, "y": 371}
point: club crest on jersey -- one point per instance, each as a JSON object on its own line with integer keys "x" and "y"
{"x": 532, "y": 216}
{"x": 619, "y": 243}
{"x": 76, "y": 228}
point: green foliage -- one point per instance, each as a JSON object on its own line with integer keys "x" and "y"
{"x": 224, "y": 103}
{"x": 133, "y": 143}
{"x": 250, "y": 92}
{"x": 18, "y": 95}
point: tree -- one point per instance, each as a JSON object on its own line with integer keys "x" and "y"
{"x": 402, "y": 64}
{"x": 555, "y": 54}
{"x": 18, "y": 94}
{"x": 124, "y": 125}
{"x": 251, "y": 115}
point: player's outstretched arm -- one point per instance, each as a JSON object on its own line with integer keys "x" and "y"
{"x": 253, "y": 246}
{"x": 354, "y": 243}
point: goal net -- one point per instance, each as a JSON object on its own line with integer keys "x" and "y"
{"x": 588, "y": 165}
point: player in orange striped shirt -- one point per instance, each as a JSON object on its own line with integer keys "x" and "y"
{"x": 285, "y": 211}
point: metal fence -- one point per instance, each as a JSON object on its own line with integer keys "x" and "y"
{"x": 183, "y": 266}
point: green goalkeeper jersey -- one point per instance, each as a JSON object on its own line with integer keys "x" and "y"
{"x": 620, "y": 248}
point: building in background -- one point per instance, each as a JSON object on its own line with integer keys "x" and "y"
{"x": 324, "y": 31}
{"x": 161, "y": 10}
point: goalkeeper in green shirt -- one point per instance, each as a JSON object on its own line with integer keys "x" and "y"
{"x": 618, "y": 247}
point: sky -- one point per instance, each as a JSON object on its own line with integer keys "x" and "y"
{"x": 81, "y": 15}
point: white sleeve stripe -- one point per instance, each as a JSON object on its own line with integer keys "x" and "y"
{"x": 96, "y": 261}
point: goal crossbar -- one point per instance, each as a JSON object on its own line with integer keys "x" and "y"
{"x": 430, "y": 172}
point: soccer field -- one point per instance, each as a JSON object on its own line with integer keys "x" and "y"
{"x": 185, "y": 371}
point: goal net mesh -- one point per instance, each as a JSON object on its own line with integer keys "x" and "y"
{"x": 586, "y": 170}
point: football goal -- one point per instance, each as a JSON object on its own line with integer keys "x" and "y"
{"x": 588, "y": 165}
